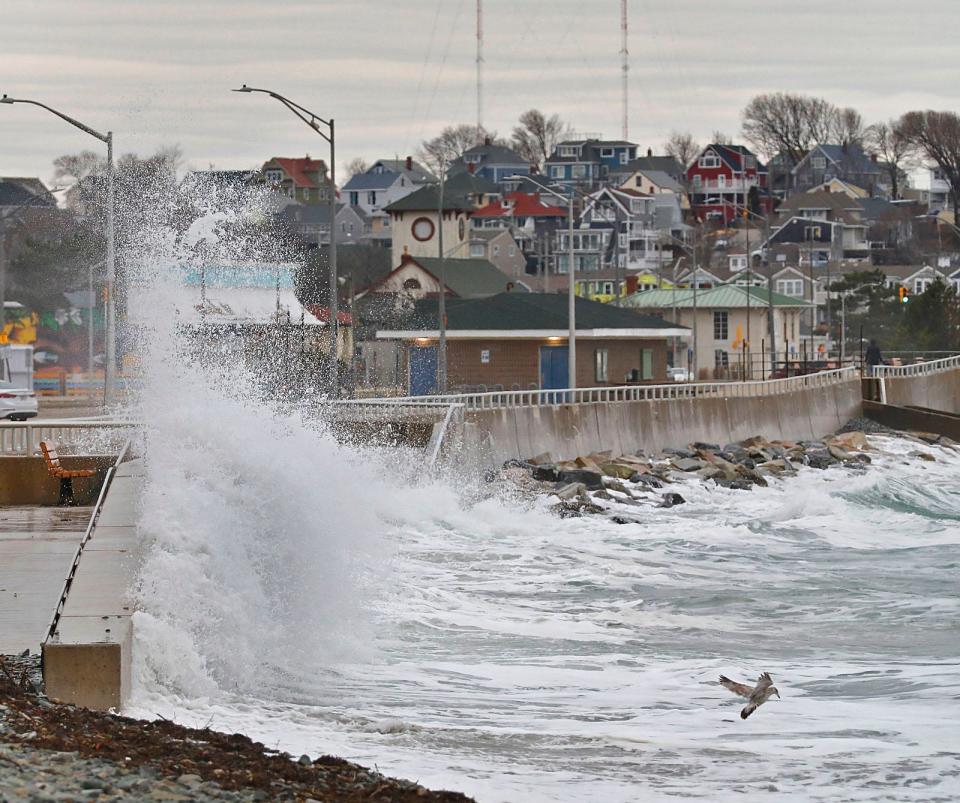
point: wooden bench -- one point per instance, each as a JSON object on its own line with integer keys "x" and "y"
{"x": 66, "y": 476}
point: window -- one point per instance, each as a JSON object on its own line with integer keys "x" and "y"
{"x": 624, "y": 157}
{"x": 556, "y": 171}
{"x": 512, "y": 251}
{"x": 578, "y": 171}
{"x": 496, "y": 250}
{"x": 790, "y": 287}
{"x": 371, "y": 198}
{"x": 600, "y": 365}
{"x": 709, "y": 159}
{"x": 411, "y": 284}
{"x": 819, "y": 162}
{"x": 697, "y": 181}
{"x": 306, "y": 193}
{"x": 721, "y": 182}
{"x": 472, "y": 158}
{"x": 721, "y": 325}
{"x": 274, "y": 176}
{"x": 608, "y": 288}
{"x": 721, "y": 359}
{"x": 646, "y": 363}
{"x": 354, "y": 198}
{"x": 606, "y": 153}
{"x": 921, "y": 285}
{"x": 477, "y": 250}
{"x": 568, "y": 150}
{"x": 422, "y": 229}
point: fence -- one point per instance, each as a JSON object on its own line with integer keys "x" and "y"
{"x": 918, "y": 369}
{"x": 92, "y": 437}
{"x": 628, "y": 393}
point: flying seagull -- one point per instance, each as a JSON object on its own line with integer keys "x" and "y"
{"x": 756, "y": 695}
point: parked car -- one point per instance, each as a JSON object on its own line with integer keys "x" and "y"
{"x": 17, "y": 404}
{"x": 678, "y": 374}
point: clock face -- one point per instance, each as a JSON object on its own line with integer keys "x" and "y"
{"x": 422, "y": 228}
{"x": 462, "y": 228}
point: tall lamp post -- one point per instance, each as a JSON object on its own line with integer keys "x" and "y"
{"x": 315, "y": 122}
{"x": 110, "y": 364}
{"x": 571, "y": 285}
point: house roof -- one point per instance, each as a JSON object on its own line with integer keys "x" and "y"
{"x": 851, "y": 155}
{"x": 465, "y": 278}
{"x": 663, "y": 164}
{"x": 24, "y": 192}
{"x": 520, "y": 204}
{"x": 459, "y": 192}
{"x": 589, "y": 149}
{"x": 661, "y": 179}
{"x": 725, "y": 296}
{"x": 494, "y": 154}
{"x": 534, "y": 315}
{"x": 297, "y": 169}
{"x": 393, "y": 169}
{"x": 732, "y": 154}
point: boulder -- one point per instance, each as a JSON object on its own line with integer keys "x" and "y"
{"x": 647, "y": 480}
{"x": 699, "y": 446}
{"x": 623, "y": 471}
{"x": 541, "y": 459}
{"x": 591, "y": 479}
{"x": 734, "y": 453}
{"x": 571, "y": 491}
{"x": 851, "y": 440}
{"x": 546, "y": 472}
{"x": 839, "y": 453}
{"x": 819, "y": 458}
{"x": 924, "y": 456}
{"x": 678, "y": 453}
{"x": 755, "y": 441}
{"x": 588, "y": 463}
{"x": 709, "y": 472}
{"x": 736, "y": 485}
{"x": 672, "y": 500}
{"x": 688, "y": 464}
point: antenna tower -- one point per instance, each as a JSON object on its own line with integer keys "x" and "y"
{"x": 479, "y": 72}
{"x": 624, "y": 67}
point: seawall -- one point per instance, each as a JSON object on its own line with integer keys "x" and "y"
{"x": 938, "y": 390}
{"x": 569, "y": 430}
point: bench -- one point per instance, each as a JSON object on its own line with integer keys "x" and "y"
{"x": 66, "y": 476}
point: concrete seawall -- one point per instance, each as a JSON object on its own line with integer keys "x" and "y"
{"x": 936, "y": 391}
{"x": 568, "y": 430}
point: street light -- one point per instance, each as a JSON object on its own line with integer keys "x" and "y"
{"x": 315, "y": 121}
{"x": 110, "y": 366}
{"x": 571, "y": 287}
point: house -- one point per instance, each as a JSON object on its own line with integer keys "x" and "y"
{"x": 731, "y": 326}
{"x": 847, "y": 162}
{"x": 414, "y": 219}
{"x": 587, "y": 162}
{"x": 518, "y": 341}
{"x": 499, "y": 247}
{"x": 829, "y": 222}
{"x": 419, "y": 277}
{"x": 304, "y": 180}
{"x": 385, "y": 181}
{"x": 495, "y": 163}
{"x": 929, "y": 184}
{"x": 25, "y": 191}
{"x": 667, "y": 165}
{"x": 655, "y": 182}
{"x": 725, "y": 179}
{"x": 531, "y": 219}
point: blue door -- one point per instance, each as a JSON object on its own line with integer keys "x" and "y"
{"x": 423, "y": 370}
{"x": 554, "y": 367}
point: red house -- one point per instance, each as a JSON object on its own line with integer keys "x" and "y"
{"x": 720, "y": 180}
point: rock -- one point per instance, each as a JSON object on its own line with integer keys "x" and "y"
{"x": 681, "y": 453}
{"x": 688, "y": 464}
{"x": 305, "y": 760}
{"x": 851, "y": 440}
{"x": 571, "y": 491}
{"x": 734, "y": 454}
{"x": 541, "y": 459}
{"x": 620, "y": 470}
{"x": 927, "y": 437}
{"x": 588, "y": 463}
{"x": 646, "y": 479}
{"x": 751, "y": 475}
{"x": 819, "y": 458}
{"x": 513, "y": 463}
{"x": 603, "y": 494}
{"x": 709, "y": 472}
{"x": 839, "y": 453}
{"x": 755, "y": 441}
{"x": 545, "y": 472}
{"x": 924, "y": 456}
{"x": 616, "y": 485}
{"x": 593, "y": 480}
{"x": 705, "y": 447}
{"x": 672, "y": 500}
{"x": 737, "y": 485}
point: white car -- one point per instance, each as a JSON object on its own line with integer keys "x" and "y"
{"x": 17, "y": 404}
{"x": 678, "y": 374}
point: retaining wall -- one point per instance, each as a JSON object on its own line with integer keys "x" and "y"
{"x": 566, "y": 431}
{"x": 936, "y": 391}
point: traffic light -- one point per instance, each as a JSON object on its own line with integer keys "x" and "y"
{"x": 904, "y": 295}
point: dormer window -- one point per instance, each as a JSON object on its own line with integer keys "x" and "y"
{"x": 378, "y": 169}
{"x": 274, "y": 176}
{"x": 472, "y": 158}
{"x": 568, "y": 150}
{"x": 709, "y": 160}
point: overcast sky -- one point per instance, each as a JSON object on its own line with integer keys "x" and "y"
{"x": 392, "y": 73}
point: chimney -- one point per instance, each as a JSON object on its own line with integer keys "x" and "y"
{"x": 486, "y": 141}
{"x": 405, "y": 257}
{"x": 649, "y": 152}
{"x": 409, "y": 163}
{"x": 471, "y": 167}
{"x": 633, "y": 281}
{"x": 873, "y": 158}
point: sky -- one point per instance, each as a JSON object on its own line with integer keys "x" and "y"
{"x": 393, "y": 73}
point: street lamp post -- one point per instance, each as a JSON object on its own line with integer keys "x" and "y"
{"x": 571, "y": 286}
{"x": 110, "y": 364}
{"x": 315, "y": 121}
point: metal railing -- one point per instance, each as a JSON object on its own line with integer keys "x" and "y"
{"x": 87, "y": 535}
{"x": 17, "y": 438}
{"x": 627, "y": 393}
{"x": 917, "y": 369}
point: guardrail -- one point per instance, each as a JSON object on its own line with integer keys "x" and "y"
{"x": 917, "y": 369}
{"x": 626, "y": 393}
{"x": 87, "y": 535}
{"x": 24, "y": 438}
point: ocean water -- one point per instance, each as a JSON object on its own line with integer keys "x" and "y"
{"x": 328, "y": 600}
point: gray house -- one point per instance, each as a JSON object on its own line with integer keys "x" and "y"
{"x": 846, "y": 162}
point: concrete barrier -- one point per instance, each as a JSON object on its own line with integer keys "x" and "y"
{"x": 569, "y": 430}
{"x": 935, "y": 391}
{"x": 86, "y": 659}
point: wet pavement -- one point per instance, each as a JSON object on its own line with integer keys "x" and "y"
{"x": 37, "y": 545}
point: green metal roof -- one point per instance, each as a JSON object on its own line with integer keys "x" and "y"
{"x": 724, "y": 296}
{"x": 470, "y": 278}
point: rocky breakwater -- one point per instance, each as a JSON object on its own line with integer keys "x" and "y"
{"x": 603, "y": 483}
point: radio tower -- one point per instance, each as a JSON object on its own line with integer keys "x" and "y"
{"x": 479, "y": 72}
{"x": 625, "y": 66}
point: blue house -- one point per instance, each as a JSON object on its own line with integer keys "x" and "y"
{"x": 495, "y": 163}
{"x": 588, "y": 162}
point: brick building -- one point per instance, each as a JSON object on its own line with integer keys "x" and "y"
{"x": 518, "y": 341}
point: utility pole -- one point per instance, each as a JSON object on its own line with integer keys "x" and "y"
{"x": 771, "y": 320}
{"x": 479, "y": 72}
{"x": 442, "y": 311}
{"x": 624, "y": 67}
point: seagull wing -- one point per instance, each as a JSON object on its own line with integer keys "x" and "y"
{"x": 748, "y": 709}
{"x": 737, "y": 688}
{"x": 763, "y": 681}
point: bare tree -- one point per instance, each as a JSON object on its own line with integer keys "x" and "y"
{"x": 889, "y": 143}
{"x": 537, "y": 136}
{"x": 719, "y": 138}
{"x": 936, "y": 135}
{"x": 355, "y": 167}
{"x": 789, "y": 125}
{"x": 682, "y": 147}
{"x": 848, "y": 128}
{"x": 75, "y": 167}
{"x": 451, "y": 142}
